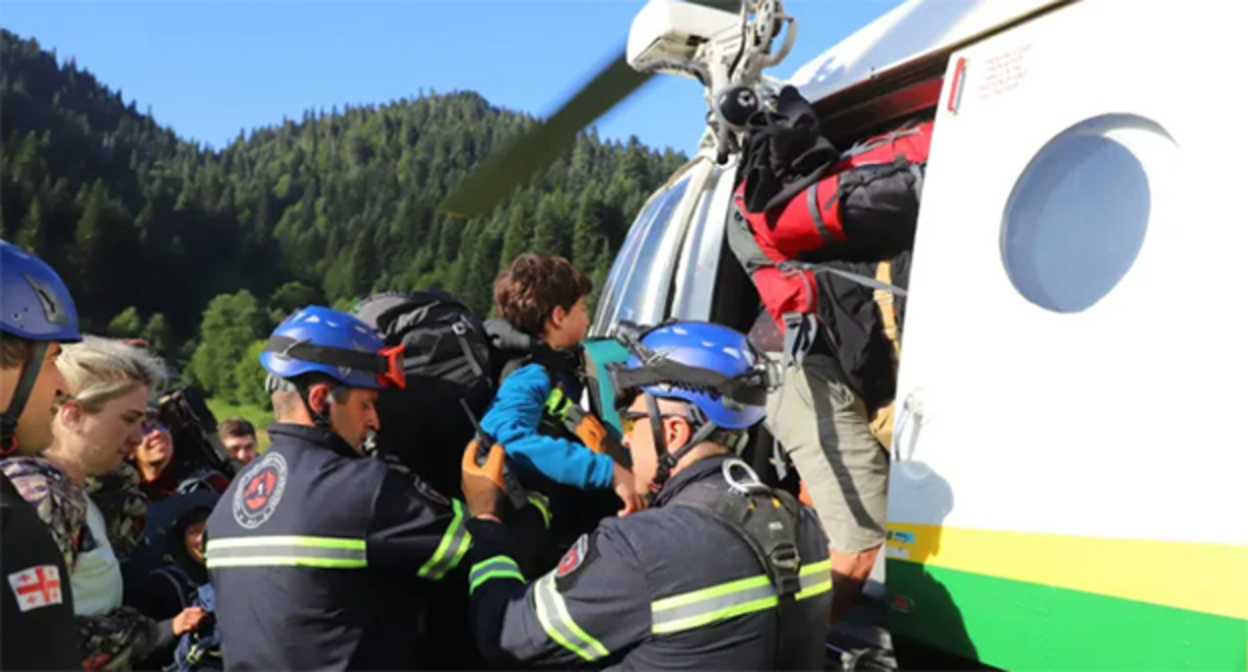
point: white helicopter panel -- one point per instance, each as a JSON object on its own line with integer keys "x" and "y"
{"x": 1064, "y": 339}
{"x": 906, "y": 34}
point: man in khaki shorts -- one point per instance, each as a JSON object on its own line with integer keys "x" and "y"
{"x": 822, "y": 425}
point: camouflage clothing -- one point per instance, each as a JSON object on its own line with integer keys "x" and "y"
{"x": 124, "y": 506}
{"x": 59, "y": 503}
{"x": 113, "y": 640}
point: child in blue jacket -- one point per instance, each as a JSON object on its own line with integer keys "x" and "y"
{"x": 541, "y": 303}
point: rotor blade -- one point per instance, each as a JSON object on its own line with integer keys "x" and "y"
{"x": 726, "y": 5}
{"x": 500, "y": 173}
{"x": 519, "y": 160}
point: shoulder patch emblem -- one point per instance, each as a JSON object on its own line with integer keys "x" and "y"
{"x": 259, "y": 491}
{"x": 35, "y": 587}
{"x": 574, "y": 558}
{"x": 567, "y": 573}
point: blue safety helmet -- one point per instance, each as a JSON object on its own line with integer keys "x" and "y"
{"x": 34, "y": 305}
{"x": 711, "y": 366}
{"x": 324, "y": 341}
{"x": 34, "y": 302}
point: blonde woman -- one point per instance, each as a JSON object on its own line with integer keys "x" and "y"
{"x": 92, "y": 432}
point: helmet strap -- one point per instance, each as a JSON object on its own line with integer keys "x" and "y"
{"x": 25, "y": 384}
{"x": 668, "y": 460}
{"x": 319, "y": 418}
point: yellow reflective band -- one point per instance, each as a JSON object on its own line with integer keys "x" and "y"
{"x": 557, "y": 403}
{"x": 464, "y": 545}
{"x": 824, "y": 567}
{"x": 497, "y": 567}
{"x": 495, "y": 574}
{"x": 816, "y": 579}
{"x": 708, "y": 593}
{"x": 289, "y": 551}
{"x": 539, "y": 502}
{"x": 558, "y": 624}
{"x": 735, "y": 598}
{"x": 287, "y": 561}
{"x": 454, "y": 542}
{"x": 709, "y": 605}
{"x": 317, "y": 542}
{"x": 723, "y": 614}
{"x": 816, "y": 589}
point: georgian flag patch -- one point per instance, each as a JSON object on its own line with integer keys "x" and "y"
{"x": 38, "y": 586}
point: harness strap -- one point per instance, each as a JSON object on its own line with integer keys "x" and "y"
{"x": 768, "y": 521}
{"x": 816, "y": 214}
{"x": 179, "y": 588}
{"x": 799, "y": 337}
{"x": 855, "y": 277}
{"x": 25, "y": 384}
{"x": 460, "y": 330}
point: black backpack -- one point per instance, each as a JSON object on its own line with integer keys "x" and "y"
{"x": 447, "y": 358}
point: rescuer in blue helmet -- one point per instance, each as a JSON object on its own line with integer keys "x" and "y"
{"x": 316, "y": 551}
{"x": 721, "y": 572}
{"x": 37, "y": 315}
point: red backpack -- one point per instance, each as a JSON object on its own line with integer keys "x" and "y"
{"x": 863, "y": 209}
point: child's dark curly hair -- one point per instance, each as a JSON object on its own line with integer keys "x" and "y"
{"x": 527, "y": 292}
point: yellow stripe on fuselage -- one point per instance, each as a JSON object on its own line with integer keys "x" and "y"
{"x": 1209, "y": 578}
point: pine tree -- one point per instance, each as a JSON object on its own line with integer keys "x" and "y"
{"x": 157, "y": 334}
{"x": 585, "y": 235}
{"x": 602, "y": 270}
{"x": 31, "y": 234}
{"x": 127, "y": 324}
{"x": 519, "y": 232}
{"x": 341, "y": 202}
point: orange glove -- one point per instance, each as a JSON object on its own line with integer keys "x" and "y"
{"x": 591, "y": 433}
{"x": 483, "y": 483}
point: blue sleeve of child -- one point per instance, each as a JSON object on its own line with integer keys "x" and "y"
{"x": 513, "y": 420}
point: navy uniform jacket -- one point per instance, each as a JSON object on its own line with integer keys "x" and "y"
{"x": 664, "y": 588}
{"x": 37, "y": 631}
{"x": 315, "y": 554}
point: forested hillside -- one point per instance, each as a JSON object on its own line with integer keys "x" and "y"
{"x": 202, "y": 251}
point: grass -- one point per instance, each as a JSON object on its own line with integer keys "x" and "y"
{"x": 260, "y": 417}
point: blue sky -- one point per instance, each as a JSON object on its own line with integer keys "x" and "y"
{"x": 211, "y": 69}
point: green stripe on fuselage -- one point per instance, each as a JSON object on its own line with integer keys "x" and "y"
{"x": 1026, "y": 626}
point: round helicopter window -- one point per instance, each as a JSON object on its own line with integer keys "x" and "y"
{"x": 1077, "y": 216}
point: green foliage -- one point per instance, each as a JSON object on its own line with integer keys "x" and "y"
{"x": 326, "y": 209}
{"x": 231, "y": 324}
{"x": 291, "y": 297}
{"x": 128, "y": 324}
{"x": 249, "y": 377}
{"x": 158, "y": 335}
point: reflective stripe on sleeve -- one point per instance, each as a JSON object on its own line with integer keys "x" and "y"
{"x": 290, "y": 551}
{"x": 497, "y": 567}
{"x": 552, "y": 611}
{"x": 709, "y": 605}
{"x": 454, "y": 544}
{"x": 816, "y": 579}
{"x": 729, "y": 600}
{"x": 542, "y": 504}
